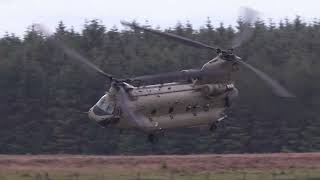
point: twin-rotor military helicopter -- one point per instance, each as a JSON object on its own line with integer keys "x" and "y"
{"x": 187, "y": 98}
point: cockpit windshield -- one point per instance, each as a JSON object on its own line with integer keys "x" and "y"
{"x": 105, "y": 104}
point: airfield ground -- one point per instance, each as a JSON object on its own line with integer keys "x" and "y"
{"x": 301, "y": 164}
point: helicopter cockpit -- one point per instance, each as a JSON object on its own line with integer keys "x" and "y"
{"x": 103, "y": 111}
{"x": 105, "y": 105}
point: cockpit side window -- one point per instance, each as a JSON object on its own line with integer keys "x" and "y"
{"x": 110, "y": 109}
{"x": 106, "y": 105}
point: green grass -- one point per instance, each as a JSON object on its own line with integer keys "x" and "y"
{"x": 297, "y": 174}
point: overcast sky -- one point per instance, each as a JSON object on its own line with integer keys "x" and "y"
{"x": 17, "y": 15}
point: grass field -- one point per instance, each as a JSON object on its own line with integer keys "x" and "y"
{"x": 286, "y": 166}
{"x": 167, "y": 175}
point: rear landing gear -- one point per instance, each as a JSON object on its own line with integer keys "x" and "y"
{"x": 213, "y": 127}
{"x": 215, "y": 124}
{"x": 153, "y": 139}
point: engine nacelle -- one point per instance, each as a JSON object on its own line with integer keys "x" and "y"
{"x": 216, "y": 89}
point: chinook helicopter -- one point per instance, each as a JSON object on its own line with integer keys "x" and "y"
{"x": 187, "y": 98}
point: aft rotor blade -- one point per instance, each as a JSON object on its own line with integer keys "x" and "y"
{"x": 175, "y": 37}
{"x": 139, "y": 120}
{"x": 248, "y": 17}
{"x": 277, "y": 89}
{"x": 174, "y": 77}
{"x": 70, "y": 52}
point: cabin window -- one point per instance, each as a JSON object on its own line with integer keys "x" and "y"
{"x": 206, "y": 107}
{"x": 150, "y": 119}
{"x": 194, "y": 110}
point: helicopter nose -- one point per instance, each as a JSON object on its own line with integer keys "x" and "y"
{"x": 104, "y": 119}
{"x": 91, "y": 114}
{"x": 96, "y": 114}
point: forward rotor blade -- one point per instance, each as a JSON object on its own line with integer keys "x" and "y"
{"x": 175, "y": 37}
{"x": 140, "y": 120}
{"x": 69, "y": 51}
{"x": 249, "y": 16}
{"x": 277, "y": 89}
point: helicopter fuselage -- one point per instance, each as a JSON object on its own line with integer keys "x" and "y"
{"x": 191, "y": 103}
{"x": 174, "y": 105}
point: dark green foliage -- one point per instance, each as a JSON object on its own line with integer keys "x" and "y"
{"x": 44, "y": 94}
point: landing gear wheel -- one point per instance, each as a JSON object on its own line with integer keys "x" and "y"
{"x": 228, "y": 101}
{"x": 213, "y": 127}
{"x": 152, "y": 138}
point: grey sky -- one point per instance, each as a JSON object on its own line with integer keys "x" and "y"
{"x": 17, "y": 15}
